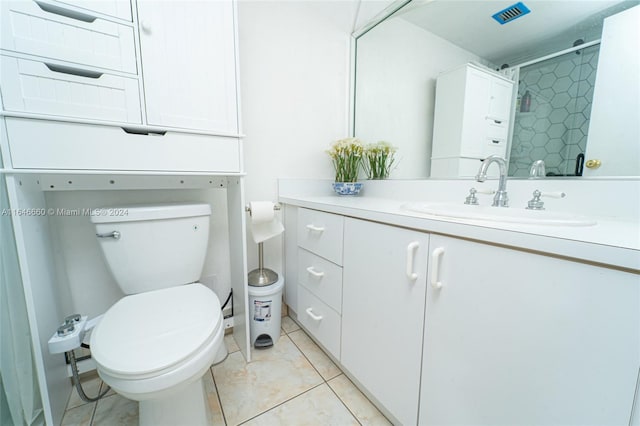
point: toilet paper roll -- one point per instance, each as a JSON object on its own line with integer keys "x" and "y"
{"x": 264, "y": 224}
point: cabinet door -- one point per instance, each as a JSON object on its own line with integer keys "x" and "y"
{"x": 188, "y": 64}
{"x": 518, "y": 338}
{"x": 477, "y": 96}
{"x": 500, "y": 100}
{"x": 383, "y": 313}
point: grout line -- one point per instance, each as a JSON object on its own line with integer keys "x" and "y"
{"x": 283, "y": 402}
{"x": 344, "y": 403}
{"x": 215, "y": 385}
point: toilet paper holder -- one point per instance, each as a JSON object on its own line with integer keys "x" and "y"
{"x": 262, "y": 276}
{"x": 247, "y": 208}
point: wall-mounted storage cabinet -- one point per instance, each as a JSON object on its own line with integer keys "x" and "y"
{"x": 162, "y": 67}
{"x": 471, "y": 120}
{"x": 189, "y": 64}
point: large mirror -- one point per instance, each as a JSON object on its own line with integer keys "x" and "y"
{"x": 573, "y": 69}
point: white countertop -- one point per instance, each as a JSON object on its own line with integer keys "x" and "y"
{"x": 613, "y": 241}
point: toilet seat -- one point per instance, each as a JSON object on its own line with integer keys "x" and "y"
{"x": 157, "y": 333}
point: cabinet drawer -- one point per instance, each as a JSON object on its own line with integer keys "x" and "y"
{"x": 75, "y": 146}
{"x": 495, "y": 146}
{"x": 43, "y": 88}
{"x": 56, "y": 31}
{"x": 321, "y": 277}
{"x": 117, "y": 8}
{"x": 321, "y": 233}
{"x": 320, "y": 320}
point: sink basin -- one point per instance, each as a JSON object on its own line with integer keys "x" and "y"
{"x": 499, "y": 214}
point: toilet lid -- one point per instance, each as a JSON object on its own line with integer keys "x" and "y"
{"x": 148, "y": 332}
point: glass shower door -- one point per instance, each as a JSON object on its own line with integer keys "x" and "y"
{"x": 552, "y": 113}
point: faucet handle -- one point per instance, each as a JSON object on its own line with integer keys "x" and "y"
{"x": 472, "y": 199}
{"x": 536, "y": 204}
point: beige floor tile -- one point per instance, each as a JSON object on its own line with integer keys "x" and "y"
{"x": 214, "y": 411}
{"x": 79, "y": 416}
{"x": 116, "y": 410}
{"x": 319, "y": 406}
{"x": 231, "y": 344}
{"x": 318, "y": 358}
{"x": 289, "y": 325}
{"x": 274, "y": 376}
{"x": 90, "y": 382}
{"x": 357, "y": 403}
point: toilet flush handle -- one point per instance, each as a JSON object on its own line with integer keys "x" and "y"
{"x": 115, "y": 235}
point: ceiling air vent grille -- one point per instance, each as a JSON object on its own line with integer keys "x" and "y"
{"x": 510, "y": 13}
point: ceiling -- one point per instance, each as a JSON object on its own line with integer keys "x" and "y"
{"x": 469, "y": 25}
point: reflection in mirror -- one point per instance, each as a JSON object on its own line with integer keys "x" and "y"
{"x": 552, "y": 113}
{"x": 574, "y": 100}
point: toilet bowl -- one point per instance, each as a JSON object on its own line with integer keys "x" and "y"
{"x": 155, "y": 344}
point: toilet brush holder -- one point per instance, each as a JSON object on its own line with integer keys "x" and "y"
{"x": 262, "y": 276}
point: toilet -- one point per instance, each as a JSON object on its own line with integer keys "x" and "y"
{"x": 155, "y": 344}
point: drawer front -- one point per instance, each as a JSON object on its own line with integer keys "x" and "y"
{"x": 320, "y": 320}
{"x": 73, "y": 146}
{"x": 321, "y": 233}
{"x": 495, "y": 130}
{"x": 495, "y": 146}
{"x": 117, "y": 8}
{"x": 54, "y": 31}
{"x": 43, "y": 88}
{"x": 321, "y": 277}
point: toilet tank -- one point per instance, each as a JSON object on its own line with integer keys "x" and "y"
{"x": 150, "y": 247}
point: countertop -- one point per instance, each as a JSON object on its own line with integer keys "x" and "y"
{"x": 613, "y": 241}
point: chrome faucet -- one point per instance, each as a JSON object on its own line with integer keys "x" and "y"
{"x": 500, "y": 199}
{"x": 537, "y": 170}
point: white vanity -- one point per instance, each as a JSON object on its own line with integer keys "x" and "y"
{"x": 462, "y": 321}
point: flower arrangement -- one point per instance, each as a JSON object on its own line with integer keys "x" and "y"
{"x": 378, "y": 160}
{"x": 346, "y": 155}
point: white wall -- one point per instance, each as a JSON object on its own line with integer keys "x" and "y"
{"x": 398, "y": 64}
{"x": 294, "y": 71}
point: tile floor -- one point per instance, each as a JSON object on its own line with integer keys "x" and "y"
{"x": 292, "y": 383}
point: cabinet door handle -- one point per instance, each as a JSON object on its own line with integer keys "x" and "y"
{"x": 411, "y": 249}
{"x": 314, "y": 272}
{"x": 134, "y": 131}
{"x": 314, "y": 228}
{"x": 312, "y": 315}
{"x": 63, "y": 69}
{"x": 145, "y": 26}
{"x": 72, "y": 14}
{"x": 435, "y": 267}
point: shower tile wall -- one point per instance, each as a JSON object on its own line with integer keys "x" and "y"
{"x": 556, "y": 125}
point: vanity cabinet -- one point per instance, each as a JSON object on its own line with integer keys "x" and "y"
{"x": 471, "y": 121}
{"x": 319, "y": 276}
{"x": 514, "y": 337}
{"x": 444, "y": 330}
{"x": 384, "y": 287}
{"x": 189, "y": 64}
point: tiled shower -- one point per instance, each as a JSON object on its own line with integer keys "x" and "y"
{"x": 552, "y": 113}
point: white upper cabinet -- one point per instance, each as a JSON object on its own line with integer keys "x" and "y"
{"x": 471, "y": 119}
{"x": 188, "y": 57}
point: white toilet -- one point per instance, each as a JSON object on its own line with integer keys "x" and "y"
{"x": 155, "y": 344}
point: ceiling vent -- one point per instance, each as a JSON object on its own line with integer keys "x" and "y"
{"x": 510, "y": 13}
